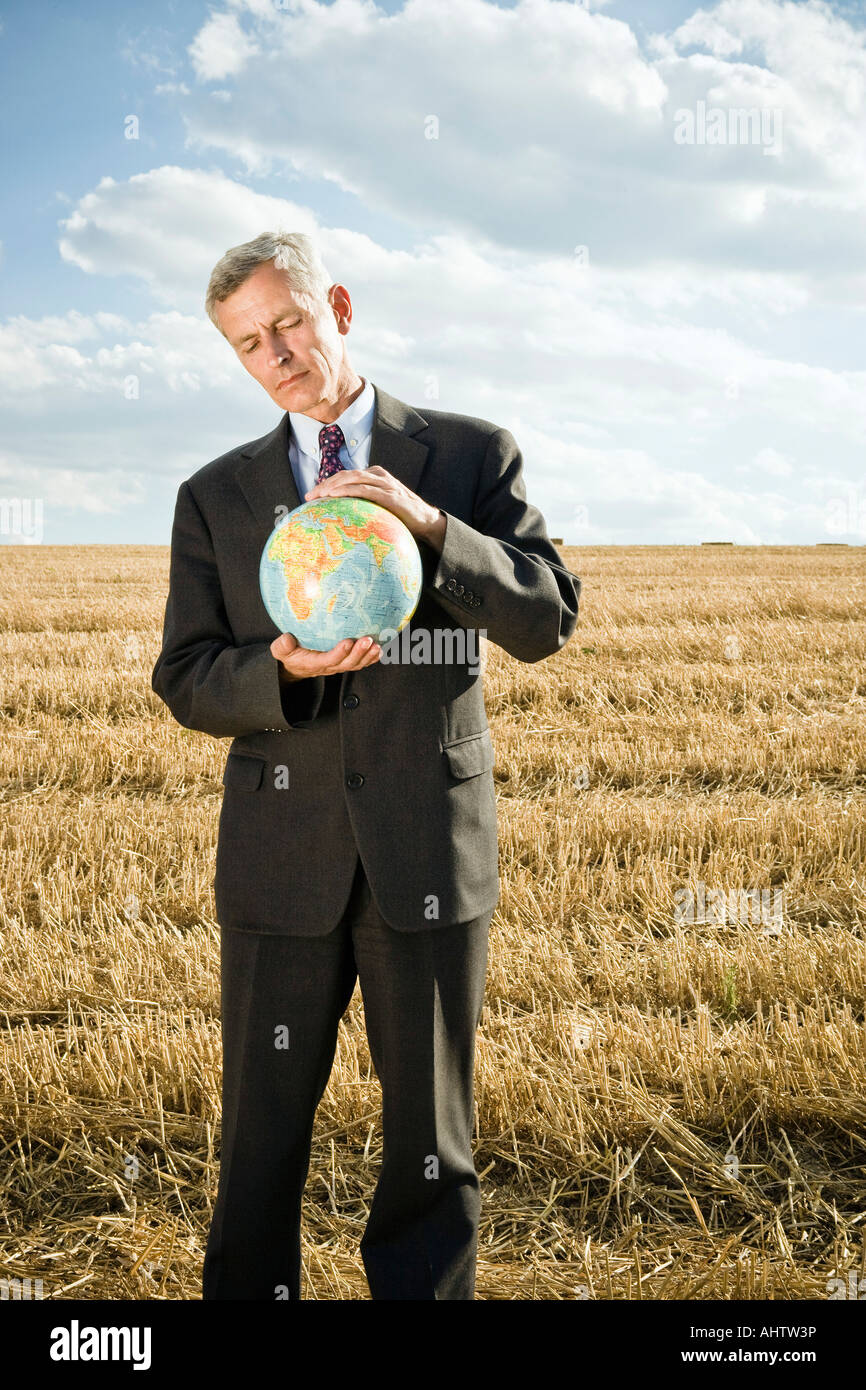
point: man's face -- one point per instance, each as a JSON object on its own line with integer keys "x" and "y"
{"x": 293, "y": 348}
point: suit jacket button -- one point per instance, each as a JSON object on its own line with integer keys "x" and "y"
{"x": 351, "y": 702}
{"x": 354, "y": 780}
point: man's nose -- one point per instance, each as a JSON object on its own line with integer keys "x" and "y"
{"x": 277, "y": 350}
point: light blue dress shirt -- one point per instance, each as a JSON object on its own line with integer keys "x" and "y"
{"x": 356, "y": 422}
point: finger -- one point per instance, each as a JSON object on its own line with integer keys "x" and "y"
{"x": 348, "y": 655}
{"x": 355, "y": 657}
{"x": 313, "y": 663}
{"x": 363, "y": 652}
{"x": 349, "y": 485}
{"x": 371, "y": 656}
{"x": 341, "y": 662}
{"x": 341, "y": 649}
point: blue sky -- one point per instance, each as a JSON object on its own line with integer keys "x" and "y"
{"x": 669, "y": 322}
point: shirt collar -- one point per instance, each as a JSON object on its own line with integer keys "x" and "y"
{"x": 356, "y": 422}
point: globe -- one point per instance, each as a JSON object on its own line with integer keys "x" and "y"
{"x": 340, "y": 567}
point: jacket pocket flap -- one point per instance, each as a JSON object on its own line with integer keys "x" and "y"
{"x": 244, "y": 770}
{"x": 469, "y": 756}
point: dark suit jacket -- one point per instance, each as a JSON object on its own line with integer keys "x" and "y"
{"x": 393, "y": 762}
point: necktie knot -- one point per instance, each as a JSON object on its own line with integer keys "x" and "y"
{"x": 331, "y": 440}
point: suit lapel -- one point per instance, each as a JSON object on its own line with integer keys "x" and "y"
{"x": 264, "y": 473}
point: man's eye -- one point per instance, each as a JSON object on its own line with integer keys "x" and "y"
{"x": 280, "y": 327}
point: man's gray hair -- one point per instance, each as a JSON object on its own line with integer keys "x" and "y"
{"x": 293, "y": 252}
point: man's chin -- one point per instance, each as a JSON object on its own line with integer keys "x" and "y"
{"x": 298, "y": 397}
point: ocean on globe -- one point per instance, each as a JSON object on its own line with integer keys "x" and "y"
{"x": 340, "y": 567}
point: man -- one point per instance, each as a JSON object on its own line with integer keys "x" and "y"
{"x": 357, "y": 837}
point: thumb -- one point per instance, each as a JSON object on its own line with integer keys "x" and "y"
{"x": 283, "y": 646}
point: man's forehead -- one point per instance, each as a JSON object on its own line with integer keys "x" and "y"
{"x": 259, "y": 292}
{"x": 262, "y": 302}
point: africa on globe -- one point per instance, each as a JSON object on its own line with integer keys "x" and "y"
{"x": 340, "y": 567}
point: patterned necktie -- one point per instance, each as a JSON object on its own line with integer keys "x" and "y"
{"x": 330, "y": 440}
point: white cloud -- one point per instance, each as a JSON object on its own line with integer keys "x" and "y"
{"x": 510, "y": 98}
{"x": 555, "y": 128}
{"x": 771, "y": 461}
{"x": 151, "y": 226}
{"x": 221, "y": 48}
{"x": 179, "y": 353}
{"x": 95, "y": 492}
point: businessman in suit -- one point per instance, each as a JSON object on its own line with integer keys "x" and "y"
{"x": 357, "y": 837}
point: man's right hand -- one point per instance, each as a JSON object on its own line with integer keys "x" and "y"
{"x": 298, "y": 662}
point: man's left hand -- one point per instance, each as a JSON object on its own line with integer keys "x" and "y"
{"x": 425, "y": 522}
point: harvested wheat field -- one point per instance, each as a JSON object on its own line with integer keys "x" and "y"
{"x": 670, "y": 1089}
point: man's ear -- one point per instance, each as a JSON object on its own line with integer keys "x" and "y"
{"x": 348, "y": 316}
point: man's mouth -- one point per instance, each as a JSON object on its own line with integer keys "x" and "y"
{"x": 290, "y": 380}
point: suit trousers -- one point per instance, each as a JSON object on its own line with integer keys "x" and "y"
{"x": 282, "y": 998}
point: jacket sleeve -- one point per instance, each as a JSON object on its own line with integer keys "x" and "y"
{"x": 207, "y": 682}
{"x": 503, "y": 574}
